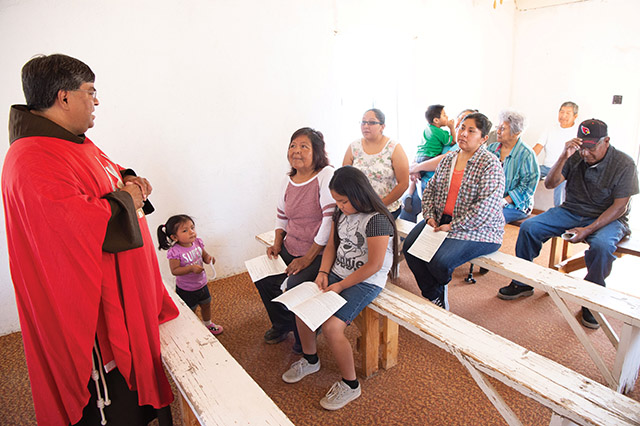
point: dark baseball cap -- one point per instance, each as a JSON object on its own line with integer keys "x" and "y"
{"x": 591, "y": 131}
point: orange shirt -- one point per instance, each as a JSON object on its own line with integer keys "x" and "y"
{"x": 454, "y": 187}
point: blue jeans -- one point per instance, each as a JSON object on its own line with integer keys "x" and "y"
{"x": 416, "y": 207}
{"x": 558, "y": 191}
{"x": 511, "y": 215}
{"x": 357, "y": 296}
{"x": 554, "y": 222}
{"x": 433, "y": 276}
{"x": 416, "y": 199}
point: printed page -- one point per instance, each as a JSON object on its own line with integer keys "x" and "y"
{"x": 314, "y": 312}
{"x": 310, "y": 304}
{"x": 427, "y": 243}
{"x": 261, "y": 267}
{"x": 298, "y": 294}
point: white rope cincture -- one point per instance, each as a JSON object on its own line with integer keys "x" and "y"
{"x": 97, "y": 375}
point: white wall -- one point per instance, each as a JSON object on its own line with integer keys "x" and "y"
{"x": 201, "y": 97}
{"x": 585, "y": 52}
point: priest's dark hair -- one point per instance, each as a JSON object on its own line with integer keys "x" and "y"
{"x": 44, "y": 76}
{"x": 170, "y": 228}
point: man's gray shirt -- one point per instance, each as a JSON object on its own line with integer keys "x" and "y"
{"x": 592, "y": 189}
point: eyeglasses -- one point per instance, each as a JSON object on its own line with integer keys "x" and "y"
{"x": 93, "y": 93}
{"x": 370, "y": 123}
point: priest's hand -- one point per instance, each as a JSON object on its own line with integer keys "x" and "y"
{"x": 136, "y": 193}
{"x": 144, "y": 184}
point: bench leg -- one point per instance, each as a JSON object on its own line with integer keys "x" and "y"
{"x": 389, "y": 343}
{"x": 488, "y": 389}
{"x": 627, "y": 362}
{"x": 578, "y": 330}
{"x": 370, "y": 341}
{"x": 555, "y": 256}
{"x": 188, "y": 417}
{"x": 558, "y": 420}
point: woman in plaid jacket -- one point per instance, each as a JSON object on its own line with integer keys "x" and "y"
{"x": 464, "y": 198}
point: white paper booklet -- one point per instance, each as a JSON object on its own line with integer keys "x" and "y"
{"x": 310, "y": 304}
{"x": 427, "y": 243}
{"x": 261, "y": 266}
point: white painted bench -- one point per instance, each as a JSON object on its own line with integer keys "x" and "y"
{"x": 214, "y": 388}
{"x": 600, "y": 300}
{"x": 571, "y": 397}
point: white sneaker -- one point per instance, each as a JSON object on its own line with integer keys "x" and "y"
{"x": 339, "y": 395}
{"x": 299, "y": 370}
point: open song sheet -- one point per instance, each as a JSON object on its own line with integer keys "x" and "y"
{"x": 310, "y": 304}
{"x": 261, "y": 267}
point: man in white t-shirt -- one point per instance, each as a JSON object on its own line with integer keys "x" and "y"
{"x": 553, "y": 141}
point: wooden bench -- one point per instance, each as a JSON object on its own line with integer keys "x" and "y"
{"x": 573, "y": 398}
{"x": 600, "y": 300}
{"x": 214, "y": 388}
{"x": 560, "y": 260}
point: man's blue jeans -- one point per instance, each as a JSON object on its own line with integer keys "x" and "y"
{"x": 554, "y": 222}
{"x": 558, "y": 191}
{"x": 433, "y": 276}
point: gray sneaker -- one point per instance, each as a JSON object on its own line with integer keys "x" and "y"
{"x": 339, "y": 395}
{"x": 299, "y": 370}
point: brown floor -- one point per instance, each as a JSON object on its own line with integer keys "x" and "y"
{"x": 427, "y": 387}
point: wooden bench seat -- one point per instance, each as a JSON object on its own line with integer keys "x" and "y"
{"x": 214, "y": 388}
{"x": 600, "y": 300}
{"x": 560, "y": 260}
{"x": 571, "y": 396}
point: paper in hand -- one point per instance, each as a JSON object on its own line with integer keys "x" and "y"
{"x": 261, "y": 267}
{"x": 427, "y": 243}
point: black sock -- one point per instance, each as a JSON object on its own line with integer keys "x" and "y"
{"x": 352, "y": 383}
{"x": 312, "y": 359}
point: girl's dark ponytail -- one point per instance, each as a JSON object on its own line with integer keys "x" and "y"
{"x": 164, "y": 242}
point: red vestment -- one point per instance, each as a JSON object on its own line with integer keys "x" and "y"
{"x": 68, "y": 290}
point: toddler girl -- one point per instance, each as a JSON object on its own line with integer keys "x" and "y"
{"x": 186, "y": 256}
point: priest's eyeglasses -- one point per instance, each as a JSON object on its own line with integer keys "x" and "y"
{"x": 93, "y": 93}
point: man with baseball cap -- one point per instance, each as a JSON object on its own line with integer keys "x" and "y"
{"x": 600, "y": 182}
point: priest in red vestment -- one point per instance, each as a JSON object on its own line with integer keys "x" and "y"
{"x": 88, "y": 288}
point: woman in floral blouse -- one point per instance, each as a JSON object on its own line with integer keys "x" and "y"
{"x": 381, "y": 159}
{"x": 464, "y": 198}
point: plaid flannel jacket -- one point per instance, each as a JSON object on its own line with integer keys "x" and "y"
{"x": 477, "y": 215}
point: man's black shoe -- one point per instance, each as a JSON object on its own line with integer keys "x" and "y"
{"x": 513, "y": 291}
{"x": 588, "y": 320}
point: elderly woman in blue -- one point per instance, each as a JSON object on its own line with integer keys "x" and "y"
{"x": 519, "y": 163}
